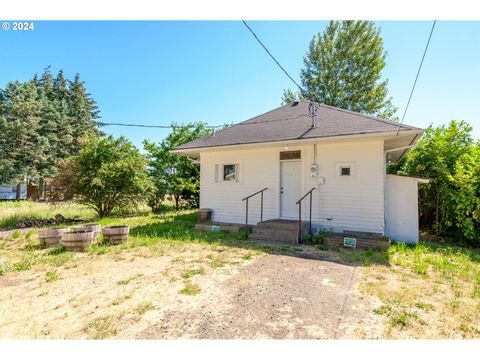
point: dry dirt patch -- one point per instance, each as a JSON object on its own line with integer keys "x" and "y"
{"x": 110, "y": 296}
{"x": 279, "y": 297}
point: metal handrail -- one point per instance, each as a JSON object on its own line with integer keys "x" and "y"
{"x": 299, "y": 203}
{"x": 249, "y": 196}
{"x": 246, "y": 208}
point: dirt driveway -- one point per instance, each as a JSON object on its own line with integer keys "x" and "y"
{"x": 278, "y": 297}
{"x": 192, "y": 291}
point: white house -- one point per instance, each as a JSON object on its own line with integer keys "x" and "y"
{"x": 297, "y": 147}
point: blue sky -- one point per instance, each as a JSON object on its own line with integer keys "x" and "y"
{"x": 214, "y": 71}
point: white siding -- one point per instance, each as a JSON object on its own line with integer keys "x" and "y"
{"x": 352, "y": 203}
{"x": 402, "y": 209}
{"x": 257, "y": 170}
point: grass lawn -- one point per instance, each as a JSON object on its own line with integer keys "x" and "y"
{"x": 427, "y": 291}
{"x": 113, "y": 291}
{"x": 13, "y": 211}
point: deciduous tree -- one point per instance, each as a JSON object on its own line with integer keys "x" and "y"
{"x": 172, "y": 173}
{"x": 107, "y": 174}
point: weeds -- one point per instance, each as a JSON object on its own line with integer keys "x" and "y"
{"x": 102, "y": 327}
{"x": 187, "y": 274}
{"x": 51, "y": 276}
{"x": 190, "y": 289}
{"x": 129, "y": 279}
{"x": 144, "y": 307}
{"x": 121, "y": 299}
{"x": 437, "y": 279}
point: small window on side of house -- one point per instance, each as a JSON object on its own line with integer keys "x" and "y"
{"x": 345, "y": 171}
{"x": 230, "y": 172}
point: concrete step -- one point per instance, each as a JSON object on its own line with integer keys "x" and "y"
{"x": 272, "y": 239}
{"x": 277, "y": 232}
{"x": 281, "y": 224}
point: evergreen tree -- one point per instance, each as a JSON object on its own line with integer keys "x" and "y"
{"x": 83, "y": 112}
{"x": 42, "y": 121}
{"x": 343, "y": 66}
{"x": 23, "y": 147}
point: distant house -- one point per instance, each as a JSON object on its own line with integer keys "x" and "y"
{"x": 9, "y": 192}
{"x": 297, "y": 147}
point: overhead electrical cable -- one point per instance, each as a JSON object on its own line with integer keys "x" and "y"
{"x": 416, "y": 78}
{"x": 273, "y": 57}
{"x": 154, "y": 126}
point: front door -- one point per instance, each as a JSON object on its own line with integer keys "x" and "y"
{"x": 289, "y": 188}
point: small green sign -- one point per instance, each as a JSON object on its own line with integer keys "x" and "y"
{"x": 215, "y": 228}
{"x": 349, "y": 242}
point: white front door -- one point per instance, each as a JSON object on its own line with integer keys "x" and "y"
{"x": 289, "y": 188}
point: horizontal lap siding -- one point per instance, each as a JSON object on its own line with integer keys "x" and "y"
{"x": 258, "y": 169}
{"x": 354, "y": 203}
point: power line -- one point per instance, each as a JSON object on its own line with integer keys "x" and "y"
{"x": 416, "y": 78}
{"x": 269, "y": 53}
{"x": 153, "y": 126}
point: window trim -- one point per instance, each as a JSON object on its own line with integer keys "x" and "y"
{"x": 342, "y": 165}
{"x": 220, "y": 173}
{"x": 225, "y": 176}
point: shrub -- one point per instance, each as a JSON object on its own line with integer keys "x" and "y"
{"x": 106, "y": 175}
{"x": 450, "y": 203}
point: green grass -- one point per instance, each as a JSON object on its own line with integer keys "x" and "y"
{"x": 431, "y": 289}
{"x": 190, "y": 289}
{"x": 160, "y": 234}
{"x": 188, "y": 273}
{"x": 52, "y": 276}
{"x": 12, "y": 212}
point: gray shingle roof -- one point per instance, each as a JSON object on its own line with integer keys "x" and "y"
{"x": 293, "y": 122}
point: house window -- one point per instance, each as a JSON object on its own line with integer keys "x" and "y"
{"x": 345, "y": 171}
{"x": 230, "y": 172}
{"x": 227, "y": 173}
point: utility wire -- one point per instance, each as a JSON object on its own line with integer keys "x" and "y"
{"x": 416, "y": 78}
{"x": 153, "y": 126}
{"x": 269, "y": 53}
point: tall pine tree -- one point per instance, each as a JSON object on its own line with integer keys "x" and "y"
{"x": 42, "y": 121}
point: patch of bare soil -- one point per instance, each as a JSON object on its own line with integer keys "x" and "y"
{"x": 278, "y": 297}
{"x": 192, "y": 291}
{"x": 109, "y": 296}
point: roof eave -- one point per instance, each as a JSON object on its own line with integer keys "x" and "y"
{"x": 296, "y": 140}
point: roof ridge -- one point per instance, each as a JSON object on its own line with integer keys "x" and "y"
{"x": 390, "y": 122}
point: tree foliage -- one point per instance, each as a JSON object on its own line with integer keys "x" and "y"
{"x": 450, "y": 203}
{"x": 342, "y": 68}
{"x": 106, "y": 175}
{"x": 43, "y": 120}
{"x": 172, "y": 173}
